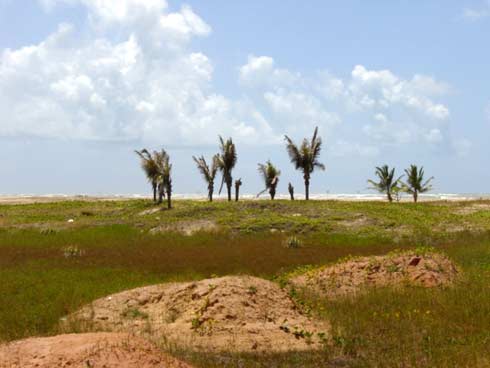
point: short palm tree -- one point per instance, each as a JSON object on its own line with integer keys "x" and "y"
{"x": 238, "y": 184}
{"x": 270, "y": 174}
{"x": 227, "y": 159}
{"x": 150, "y": 168}
{"x": 305, "y": 157}
{"x": 208, "y": 172}
{"x": 291, "y": 191}
{"x": 415, "y": 183}
{"x": 387, "y": 181}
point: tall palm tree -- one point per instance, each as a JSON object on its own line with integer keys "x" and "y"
{"x": 162, "y": 160}
{"x": 208, "y": 172}
{"x": 387, "y": 181}
{"x": 415, "y": 183}
{"x": 305, "y": 157}
{"x": 270, "y": 174}
{"x": 150, "y": 168}
{"x": 227, "y": 159}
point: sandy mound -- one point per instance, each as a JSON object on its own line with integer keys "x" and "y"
{"x": 107, "y": 350}
{"x": 229, "y": 313}
{"x": 351, "y": 277}
{"x": 187, "y": 228}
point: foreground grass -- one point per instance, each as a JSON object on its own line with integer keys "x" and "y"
{"x": 39, "y": 283}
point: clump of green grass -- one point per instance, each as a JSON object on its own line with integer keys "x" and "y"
{"x": 72, "y": 251}
{"x": 293, "y": 242}
{"x": 134, "y": 313}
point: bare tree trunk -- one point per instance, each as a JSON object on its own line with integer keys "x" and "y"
{"x": 273, "y": 192}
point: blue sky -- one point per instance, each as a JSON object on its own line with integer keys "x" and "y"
{"x": 84, "y": 82}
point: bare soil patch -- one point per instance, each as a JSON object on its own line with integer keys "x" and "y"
{"x": 357, "y": 222}
{"x": 187, "y": 228}
{"x": 230, "y": 313}
{"x": 150, "y": 211}
{"x": 473, "y": 208}
{"x": 355, "y": 276}
{"x": 109, "y": 350}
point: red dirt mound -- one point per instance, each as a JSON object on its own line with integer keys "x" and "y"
{"x": 108, "y": 350}
{"x": 354, "y": 276}
{"x": 229, "y": 313}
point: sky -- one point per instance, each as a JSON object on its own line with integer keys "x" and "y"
{"x": 83, "y": 83}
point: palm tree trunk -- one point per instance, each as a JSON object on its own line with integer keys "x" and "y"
{"x": 415, "y": 196}
{"x": 307, "y": 189}
{"x": 228, "y": 188}
{"x": 273, "y": 193}
{"x": 210, "y": 193}
{"x": 154, "y": 185}
{"x": 169, "y": 196}
{"x": 160, "y": 193}
{"x": 237, "y": 192}
{"x": 390, "y": 198}
{"x": 291, "y": 191}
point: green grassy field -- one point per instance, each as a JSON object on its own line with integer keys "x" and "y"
{"x": 49, "y": 268}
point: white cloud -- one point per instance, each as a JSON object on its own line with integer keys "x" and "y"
{"x": 343, "y": 148}
{"x": 477, "y": 14}
{"x": 115, "y": 10}
{"x": 149, "y": 86}
{"x": 371, "y": 89}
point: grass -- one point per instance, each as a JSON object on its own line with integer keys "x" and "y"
{"x": 49, "y": 268}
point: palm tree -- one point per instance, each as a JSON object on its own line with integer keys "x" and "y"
{"x": 238, "y": 184}
{"x": 208, "y": 172}
{"x": 164, "y": 176}
{"x": 271, "y": 178}
{"x": 160, "y": 158}
{"x": 150, "y": 168}
{"x": 386, "y": 182}
{"x": 291, "y": 191}
{"x": 305, "y": 157}
{"x": 415, "y": 183}
{"x": 227, "y": 159}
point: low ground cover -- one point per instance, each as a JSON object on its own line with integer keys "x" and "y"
{"x": 50, "y": 267}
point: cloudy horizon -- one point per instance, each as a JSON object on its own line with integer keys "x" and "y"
{"x": 83, "y": 83}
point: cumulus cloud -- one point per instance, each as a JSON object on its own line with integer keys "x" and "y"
{"x": 149, "y": 84}
{"x": 393, "y": 110}
{"x": 382, "y": 89}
